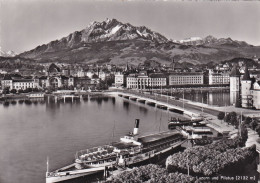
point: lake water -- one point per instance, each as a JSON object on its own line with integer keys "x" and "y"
{"x": 219, "y": 98}
{"x": 31, "y": 133}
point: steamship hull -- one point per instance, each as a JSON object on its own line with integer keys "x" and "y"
{"x": 129, "y": 151}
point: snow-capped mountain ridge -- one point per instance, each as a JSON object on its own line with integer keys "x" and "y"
{"x": 111, "y": 41}
{"x": 7, "y": 54}
{"x": 108, "y": 30}
{"x": 212, "y": 41}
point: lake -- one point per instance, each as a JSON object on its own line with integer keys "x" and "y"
{"x": 29, "y": 133}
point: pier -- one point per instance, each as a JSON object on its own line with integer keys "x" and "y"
{"x": 152, "y": 101}
{"x": 63, "y": 97}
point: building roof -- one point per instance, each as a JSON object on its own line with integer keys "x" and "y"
{"x": 43, "y": 77}
{"x": 7, "y": 77}
{"x": 64, "y": 77}
{"x": 54, "y": 68}
{"x": 246, "y": 75}
{"x": 235, "y": 72}
{"x": 186, "y": 73}
{"x": 23, "y": 80}
{"x": 157, "y": 75}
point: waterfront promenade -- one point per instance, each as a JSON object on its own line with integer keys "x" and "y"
{"x": 209, "y": 114}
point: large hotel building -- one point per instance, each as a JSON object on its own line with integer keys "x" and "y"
{"x": 195, "y": 78}
{"x": 144, "y": 81}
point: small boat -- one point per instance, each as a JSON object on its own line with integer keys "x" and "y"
{"x": 175, "y": 122}
{"x": 129, "y": 151}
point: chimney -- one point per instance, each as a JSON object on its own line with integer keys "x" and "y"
{"x": 135, "y": 132}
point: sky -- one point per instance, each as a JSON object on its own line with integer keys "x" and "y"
{"x": 26, "y": 24}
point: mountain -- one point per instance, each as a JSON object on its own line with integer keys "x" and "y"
{"x": 7, "y": 54}
{"x": 191, "y": 41}
{"x": 108, "y": 30}
{"x": 212, "y": 41}
{"x": 111, "y": 41}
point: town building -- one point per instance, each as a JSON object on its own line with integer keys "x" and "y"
{"x": 55, "y": 78}
{"x": 83, "y": 82}
{"x": 246, "y": 90}
{"x": 120, "y": 80}
{"x": 189, "y": 78}
{"x": 22, "y": 84}
{"x": 235, "y": 86}
{"x": 249, "y": 89}
{"x": 218, "y": 78}
{"x": 19, "y": 83}
{"x": 144, "y": 81}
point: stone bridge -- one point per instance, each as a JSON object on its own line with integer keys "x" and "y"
{"x": 157, "y": 103}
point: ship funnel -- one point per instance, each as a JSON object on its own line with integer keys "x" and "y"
{"x": 135, "y": 132}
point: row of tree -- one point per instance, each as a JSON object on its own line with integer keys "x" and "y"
{"x": 246, "y": 122}
{"x": 14, "y": 91}
{"x": 153, "y": 174}
{"x": 211, "y": 159}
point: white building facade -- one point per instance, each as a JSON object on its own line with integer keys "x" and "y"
{"x": 146, "y": 82}
{"x": 219, "y": 78}
{"x": 119, "y": 80}
{"x": 186, "y": 79}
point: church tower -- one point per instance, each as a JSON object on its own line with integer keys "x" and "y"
{"x": 246, "y": 95}
{"x": 235, "y": 86}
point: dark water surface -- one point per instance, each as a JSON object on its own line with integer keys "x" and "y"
{"x": 31, "y": 132}
{"x": 219, "y": 98}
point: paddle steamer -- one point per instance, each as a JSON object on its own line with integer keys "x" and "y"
{"x": 129, "y": 151}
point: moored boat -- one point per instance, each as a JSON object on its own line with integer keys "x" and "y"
{"x": 175, "y": 122}
{"x": 129, "y": 151}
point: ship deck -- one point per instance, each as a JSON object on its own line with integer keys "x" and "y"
{"x": 122, "y": 145}
{"x": 157, "y": 136}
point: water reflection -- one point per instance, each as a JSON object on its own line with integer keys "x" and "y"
{"x": 13, "y": 102}
{"x": 113, "y": 100}
{"x": 219, "y": 98}
{"x": 6, "y": 103}
{"x": 126, "y": 105}
{"x": 143, "y": 110}
{"x": 21, "y": 101}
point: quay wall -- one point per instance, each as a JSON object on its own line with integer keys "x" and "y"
{"x": 158, "y": 100}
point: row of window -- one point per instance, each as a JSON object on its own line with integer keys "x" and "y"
{"x": 180, "y": 83}
{"x": 185, "y": 77}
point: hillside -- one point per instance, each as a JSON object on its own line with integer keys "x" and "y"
{"x": 113, "y": 42}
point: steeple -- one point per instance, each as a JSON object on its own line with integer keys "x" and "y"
{"x": 246, "y": 75}
{"x": 127, "y": 67}
{"x": 235, "y": 72}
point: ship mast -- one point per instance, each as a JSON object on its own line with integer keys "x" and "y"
{"x": 47, "y": 165}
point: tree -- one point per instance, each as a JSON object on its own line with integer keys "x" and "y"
{"x": 258, "y": 130}
{"x": 253, "y": 124}
{"x": 227, "y": 118}
{"x": 221, "y": 115}
{"x": 232, "y": 118}
{"x": 20, "y": 91}
{"x": 13, "y": 91}
{"x": 248, "y": 120}
{"x": 6, "y": 90}
{"x": 27, "y": 90}
{"x": 35, "y": 90}
{"x": 244, "y": 135}
{"x": 238, "y": 102}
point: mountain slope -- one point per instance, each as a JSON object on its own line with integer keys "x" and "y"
{"x": 114, "y": 42}
{"x": 109, "y": 30}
